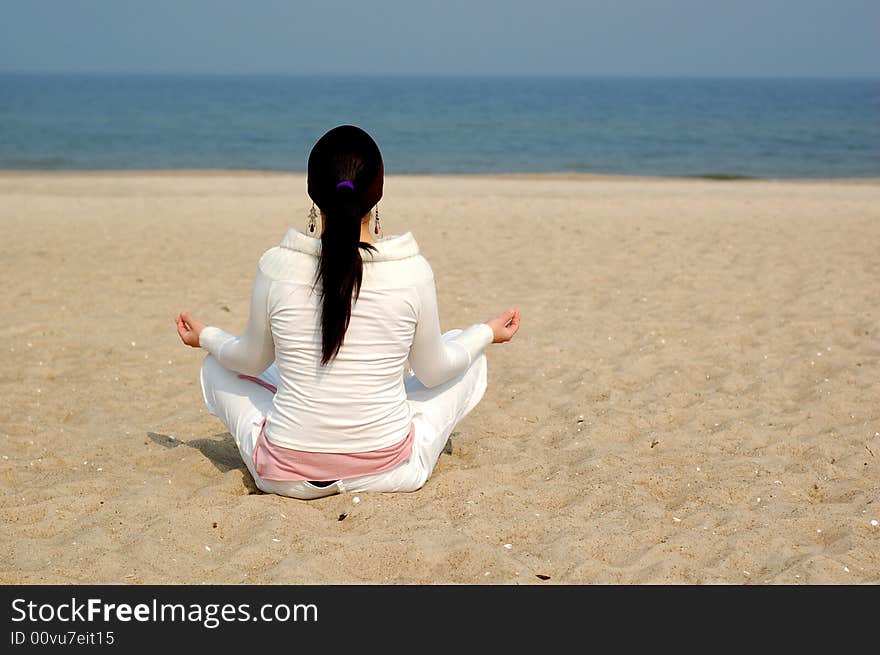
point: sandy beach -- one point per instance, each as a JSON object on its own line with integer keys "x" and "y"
{"x": 693, "y": 396}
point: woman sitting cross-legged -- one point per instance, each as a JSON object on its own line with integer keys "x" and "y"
{"x": 342, "y": 381}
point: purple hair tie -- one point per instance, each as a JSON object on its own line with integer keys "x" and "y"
{"x": 345, "y": 183}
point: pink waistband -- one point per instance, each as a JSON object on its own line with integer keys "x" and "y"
{"x": 277, "y": 463}
{"x": 273, "y": 462}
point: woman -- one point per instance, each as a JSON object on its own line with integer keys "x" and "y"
{"x": 340, "y": 316}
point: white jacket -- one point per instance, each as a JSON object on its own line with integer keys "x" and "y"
{"x": 357, "y": 403}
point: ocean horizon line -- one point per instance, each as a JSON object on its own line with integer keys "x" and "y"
{"x": 744, "y": 77}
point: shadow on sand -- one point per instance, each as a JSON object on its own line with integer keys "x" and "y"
{"x": 220, "y": 450}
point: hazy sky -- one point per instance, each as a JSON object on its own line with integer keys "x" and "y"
{"x": 563, "y": 37}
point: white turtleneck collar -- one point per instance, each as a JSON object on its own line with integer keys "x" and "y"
{"x": 393, "y": 246}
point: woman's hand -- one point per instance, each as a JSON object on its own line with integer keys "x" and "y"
{"x": 505, "y": 325}
{"x": 189, "y": 329}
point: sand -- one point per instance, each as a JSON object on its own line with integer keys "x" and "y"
{"x": 693, "y": 396}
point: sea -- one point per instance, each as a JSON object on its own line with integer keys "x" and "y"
{"x": 692, "y": 127}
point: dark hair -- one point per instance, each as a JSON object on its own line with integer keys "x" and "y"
{"x": 346, "y": 175}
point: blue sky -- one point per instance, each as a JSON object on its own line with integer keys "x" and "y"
{"x": 535, "y": 37}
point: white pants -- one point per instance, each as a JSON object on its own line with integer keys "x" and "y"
{"x": 242, "y": 405}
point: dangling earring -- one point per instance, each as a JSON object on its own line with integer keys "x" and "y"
{"x": 313, "y": 218}
{"x": 376, "y": 231}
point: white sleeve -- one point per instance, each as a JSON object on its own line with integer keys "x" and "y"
{"x": 252, "y": 352}
{"x": 433, "y": 360}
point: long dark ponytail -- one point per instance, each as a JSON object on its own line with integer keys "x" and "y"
{"x": 346, "y": 176}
